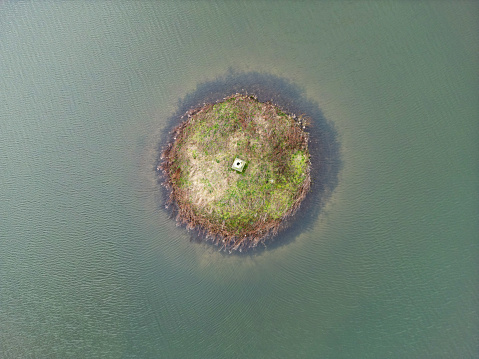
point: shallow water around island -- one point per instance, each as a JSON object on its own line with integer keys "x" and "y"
{"x": 91, "y": 265}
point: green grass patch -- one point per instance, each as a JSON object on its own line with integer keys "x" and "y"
{"x": 274, "y": 147}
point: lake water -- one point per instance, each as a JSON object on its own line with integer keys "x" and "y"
{"x": 91, "y": 266}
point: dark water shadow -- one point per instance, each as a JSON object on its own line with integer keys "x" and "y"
{"x": 323, "y": 144}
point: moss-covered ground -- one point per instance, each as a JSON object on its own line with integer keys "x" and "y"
{"x": 238, "y": 209}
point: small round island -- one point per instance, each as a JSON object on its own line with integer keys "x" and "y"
{"x": 237, "y": 169}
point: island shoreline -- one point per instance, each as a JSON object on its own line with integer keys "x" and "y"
{"x": 212, "y": 231}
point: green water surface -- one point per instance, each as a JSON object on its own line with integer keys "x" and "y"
{"x": 92, "y": 267}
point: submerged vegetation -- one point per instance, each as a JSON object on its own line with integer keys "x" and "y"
{"x": 237, "y": 209}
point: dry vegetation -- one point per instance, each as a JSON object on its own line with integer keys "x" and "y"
{"x": 237, "y": 210}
